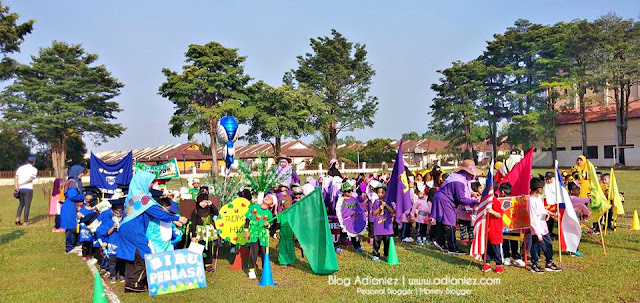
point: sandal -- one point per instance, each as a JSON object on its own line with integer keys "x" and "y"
{"x": 18, "y": 222}
{"x": 26, "y": 223}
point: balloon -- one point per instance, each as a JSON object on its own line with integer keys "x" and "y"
{"x": 228, "y": 131}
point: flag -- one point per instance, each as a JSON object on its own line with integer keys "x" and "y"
{"x": 308, "y": 220}
{"x": 398, "y": 187}
{"x": 614, "y": 196}
{"x": 570, "y": 230}
{"x": 599, "y": 203}
{"x": 520, "y": 175}
{"x": 107, "y": 176}
{"x": 479, "y": 244}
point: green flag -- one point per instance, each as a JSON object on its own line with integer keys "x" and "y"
{"x": 308, "y": 220}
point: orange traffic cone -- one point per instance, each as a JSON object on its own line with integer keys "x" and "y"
{"x": 241, "y": 257}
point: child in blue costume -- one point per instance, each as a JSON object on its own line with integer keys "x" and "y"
{"x": 139, "y": 209}
{"x": 163, "y": 235}
{"x": 74, "y": 196}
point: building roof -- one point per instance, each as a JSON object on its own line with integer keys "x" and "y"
{"x": 191, "y": 152}
{"x": 421, "y": 146}
{"x": 596, "y": 113}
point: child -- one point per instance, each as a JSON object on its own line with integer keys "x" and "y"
{"x": 110, "y": 241}
{"x": 55, "y": 202}
{"x": 538, "y": 216}
{"x": 579, "y": 204}
{"x": 407, "y": 217}
{"x": 86, "y": 215}
{"x": 510, "y": 247}
{"x": 74, "y": 196}
{"x": 256, "y": 230}
{"x": 383, "y": 222}
{"x": 202, "y": 229}
{"x": 422, "y": 213}
{"x": 494, "y": 223}
{"x": 162, "y": 234}
{"x": 349, "y": 207}
{"x": 463, "y": 215}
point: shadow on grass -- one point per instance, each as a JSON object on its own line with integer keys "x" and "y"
{"x": 8, "y": 237}
{"x": 37, "y": 218}
{"x": 442, "y": 256}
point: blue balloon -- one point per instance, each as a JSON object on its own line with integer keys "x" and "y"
{"x": 230, "y": 126}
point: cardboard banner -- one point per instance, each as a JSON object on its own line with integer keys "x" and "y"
{"x": 336, "y": 229}
{"x": 107, "y": 176}
{"x": 167, "y": 170}
{"x": 515, "y": 212}
{"x": 230, "y": 221}
{"x": 174, "y": 271}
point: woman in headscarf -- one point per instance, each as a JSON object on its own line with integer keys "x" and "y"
{"x": 333, "y": 169}
{"x": 54, "y": 204}
{"x": 581, "y": 168}
{"x": 286, "y": 172}
{"x": 139, "y": 209}
{"x": 455, "y": 191}
{"x": 74, "y": 196}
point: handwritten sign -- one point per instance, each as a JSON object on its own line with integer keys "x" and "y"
{"x": 230, "y": 221}
{"x": 516, "y": 214}
{"x": 174, "y": 271}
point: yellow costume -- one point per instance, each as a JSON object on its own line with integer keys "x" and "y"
{"x": 583, "y": 180}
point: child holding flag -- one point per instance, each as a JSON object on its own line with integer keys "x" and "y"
{"x": 494, "y": 251}
{"x": 383, "y": 214}
{"x": 538, "y": 216}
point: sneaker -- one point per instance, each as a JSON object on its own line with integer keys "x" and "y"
{"x": 376, "y": 259}
{"x": 536, "y": 270}
{"x": 419, "y": 242}
{"x": 578, "y": 254}
{"x": 435, "y": 243}
{"x": 54, "y": 230}
{"x": 209, "y": 268}
{"x": 252, "y": 274}
{"x": 84, "y": 260}
{"x": 360, "y": 250}
{"x": 464, "y": 242}
{"x": 411, "y": 239}
{"x": 499, "y": 269}
{"x": 552, "y": 267}
{"x": 233, "y": 250}
{"x": 406, "y": 240}
{"x": 92, "y": 261}
{"x": 486, "y": 268}
{"x": 122, "y": 278}
{"x": 519, "y": 262}
{"x": 338, "y": 250}
{"x": 457, "y": 252}
{"x": 75, "y": 250}
{"x": 507, "y": 262}
{"x": 113, "y": 280}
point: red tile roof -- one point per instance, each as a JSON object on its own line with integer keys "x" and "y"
{"x": 596, "y": 113}
{"x": 421, "y": 146}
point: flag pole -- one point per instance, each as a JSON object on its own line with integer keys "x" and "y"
{"x": 604, "y": 248}
{"x": 558, "y": 188}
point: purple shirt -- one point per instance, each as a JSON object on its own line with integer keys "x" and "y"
{"x": 443, "y": 208}
{"x": 383, "y": 222}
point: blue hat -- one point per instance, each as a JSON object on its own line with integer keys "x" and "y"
{"x": 31, "y": 159}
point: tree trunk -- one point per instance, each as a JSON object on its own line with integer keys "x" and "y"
{"x": 467, "y": 137}
{"x": 58, "y": 157}
{"x": 622, "y": 117}
{"x": 583, "y": 122}
{"x": 278, "y": 146}
{"x": 213, "y": 124}
{"x": 494, "y": 141}
{"x": 333, "y": 140}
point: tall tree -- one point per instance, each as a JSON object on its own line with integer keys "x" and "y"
{"x": 454, "y": 110}
{"x": 10, "y": 39}
{"x": 377, "y": 150}
{"x": 62, "y": 93}
{"x": 338, "y": 72}
{"x": 212, "y": 84}
{"x": 618, "y": 52}
{"x": 410, "y": 136}
{"x": 279, "y": 113}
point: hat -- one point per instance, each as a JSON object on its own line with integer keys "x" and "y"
{"x": 549, "y": 175}
{"x": 285, "y": 184}
{"x": 332, "y": 162}
{"x": 155, "y": 194}
{"x": 195, "y": 181}
{"x": 380, "y": 185}
{"x": 297, "y": 190}
{"x": 31, "y": 159}
{"x": 117, "y": 194}
{"x": 469, "y": 166}
{"x": 346, "y": 187}
{"x": 117, "y": 203}
{"x": 284, "y": 157}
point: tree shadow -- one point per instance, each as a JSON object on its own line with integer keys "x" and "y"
{"x": 37, "y": 218}
{"x": 8, "y": 237}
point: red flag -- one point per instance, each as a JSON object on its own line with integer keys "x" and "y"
{"x": 520, "y": 176}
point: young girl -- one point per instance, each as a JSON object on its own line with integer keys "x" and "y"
{"x": 422, "y": 213}
{"x": 86, "y": 215}
{"x": 202, "y": 229}
{"x": 55, "y": 203}
{"x": 407, "y": 217}
{"x": 383, "y": 223}
{"x": 68, "y": 211}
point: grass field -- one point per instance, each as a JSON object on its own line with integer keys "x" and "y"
{"x": 34, "y": 268}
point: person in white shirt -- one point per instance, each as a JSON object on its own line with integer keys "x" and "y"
{"x": 24, "y": 186}
{"x": 538, "y": 215}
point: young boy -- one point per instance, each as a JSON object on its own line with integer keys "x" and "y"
{"x": 116, "y": 266}
{"x": 494, "y": 222}
{"x": 383, "y": 222}
{"x": 538, "y": 216}
{"x": 86, "y": 215}
{"x": 162, "y": 234}
{"x": 256, "y": 230}
{"x": 349, "y": 207}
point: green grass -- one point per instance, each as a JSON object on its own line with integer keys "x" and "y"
{"x": 34, "y": 268}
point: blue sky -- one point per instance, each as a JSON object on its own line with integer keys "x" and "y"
{"x": 407, "y": 42}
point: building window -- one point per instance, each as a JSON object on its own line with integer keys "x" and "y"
{"x": 562, "y": 148}
{"x": 197, "y": 165}
{"x": 592, "y": 152}
{"x": 576, "y": 147}
{"x": 609, "y": 151}
{"x": 551, "y": 149}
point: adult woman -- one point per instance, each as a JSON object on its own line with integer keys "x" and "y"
{"x": 74, "y": 194}
{"x": 333, "y": 169}
{"x": 286, "y": 172}
{"x": 581, "y": 168}
{"x": 456, "y": 190}
{"x": 139, "y": 209}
